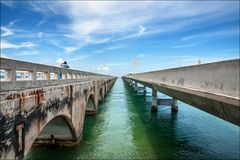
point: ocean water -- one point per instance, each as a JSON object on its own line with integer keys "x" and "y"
{"x": 125, "y": 128}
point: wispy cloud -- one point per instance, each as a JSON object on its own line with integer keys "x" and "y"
{"x": 28, "y": 53}
{"x": 141, "y": 30}
{"x": 192, "y": 44}
{"x": 10, "y": 4}
{"x": 116, "y": 64}
{"x": 141, "y": 55}
{"x": 11, "y": 23}
{"x": 3, "y": 55}
{"x": 213, "y": 34}
{"x": 103, "y": 69}
{"x": 97, "y": 22}
{"x": 39, "y": 24}
{"x": 79, "y": 58}
{"x": 6, "y": 45}
{"x": 40, "y": 34}
{"x": 6, "y": 31}
{"x": 116, "y": 47}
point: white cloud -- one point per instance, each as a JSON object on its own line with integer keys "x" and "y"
{"x": 116, "y": 64}
{"x": 141, "y": 30}
{"x": 116, "y": 47}
{"x": 40, "y": 34}
{"x": 71, "y": 49}
{"x": 60, "y": 61}
{"x": 103, "y": 69}
{"x": 7, "y": 45}
{"x": 213, "y": 34}
{"x": 10, "y": 4}
{"x": 3, "y": 55}
{"x": 141, "y": 55}
{"x": 39, "y": 24}
{"x": 96, "y": 22}
{"x": 193, "y": 44}
{"x": 11, "y": 23}
{"x": 79, "y": 58}
{"x": 68, "y": 49}
{"x": 28, "y": 53}
{"x": 104, "y": 17}
{"x": 6, "y": 31}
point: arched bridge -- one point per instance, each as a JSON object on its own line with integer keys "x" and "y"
{"x": 42, "y": 104}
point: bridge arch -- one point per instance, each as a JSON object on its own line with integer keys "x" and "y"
{"x": 58, "y": 131}
{"x": 91, "y": 105}
{"x": 60, "y": 127}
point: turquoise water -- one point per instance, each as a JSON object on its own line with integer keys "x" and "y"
{"x": 125, "y": 128}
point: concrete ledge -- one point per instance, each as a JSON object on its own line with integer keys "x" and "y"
{"x": 58, "y": 142}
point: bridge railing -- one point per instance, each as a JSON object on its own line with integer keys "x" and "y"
{"x": 217, "y": 78}
{"x": 16, "y": 74}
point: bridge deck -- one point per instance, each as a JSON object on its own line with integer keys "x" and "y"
{"x": 212, "y": 87}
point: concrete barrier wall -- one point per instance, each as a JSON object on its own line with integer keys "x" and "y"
{"x": 217, "y": 78}
{"x": 11, "y": 67}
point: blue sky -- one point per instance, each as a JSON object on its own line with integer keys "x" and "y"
{"x": 106, "y": 37}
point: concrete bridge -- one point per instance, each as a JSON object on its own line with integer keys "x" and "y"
{"x": 212, "y": 87}
{"x": 42, "y": 104}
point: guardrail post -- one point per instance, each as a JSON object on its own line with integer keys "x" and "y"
{"x": 48, "y": 76}
{"x": 11, "y": 75}
{"x": 34, "y": 75}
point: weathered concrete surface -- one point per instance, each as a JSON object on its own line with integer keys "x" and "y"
{"x": 212, "y": 87}
{"x": 27, "y": 109}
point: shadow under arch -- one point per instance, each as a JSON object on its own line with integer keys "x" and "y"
{"x": 105, "y": 86}
{"x": 101, "y": 95}
{"x": 91, "y": 108}
{"x": 59, "y": 131}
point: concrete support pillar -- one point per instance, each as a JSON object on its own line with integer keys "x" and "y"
{"x": 154, "y": 100}
{"x": 131, "y": 82}
{"x": 144, "y": 90}
{"x": 174, "y": 105}
{"x": 135, "y": 86}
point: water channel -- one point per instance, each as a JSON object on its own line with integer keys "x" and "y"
{"x": 125, "y": 128}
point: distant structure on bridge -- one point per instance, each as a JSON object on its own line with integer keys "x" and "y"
{"x": 34, "y": 100}
{"x": 212, "y": 87}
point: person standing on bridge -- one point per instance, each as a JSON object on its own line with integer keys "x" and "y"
{"x": 64, "y": 65}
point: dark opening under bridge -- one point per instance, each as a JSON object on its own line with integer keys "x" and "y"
{"x": 34, "y": 100}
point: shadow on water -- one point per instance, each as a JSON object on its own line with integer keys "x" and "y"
{"x": 155, "y": 130}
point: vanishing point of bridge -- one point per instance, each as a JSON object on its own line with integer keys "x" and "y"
{"x": 34, "y": 98}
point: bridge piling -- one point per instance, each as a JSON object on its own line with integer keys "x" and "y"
{"x": 154, "y": 100}
{"x": 174, "y": 106}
